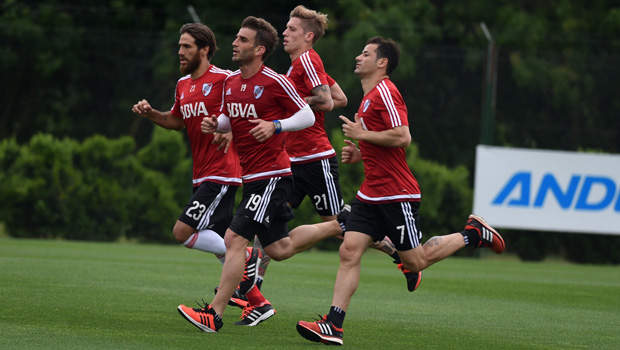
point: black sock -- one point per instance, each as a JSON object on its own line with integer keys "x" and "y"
{"x": 396, "y": 258}
{"x": 259, "y": 283}
{"x": 336, "y": 316}
{"x": 471, "y": 238}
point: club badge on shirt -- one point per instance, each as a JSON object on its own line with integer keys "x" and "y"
{"x": 206, "y": 88}
{"x": 366, "y": 104}
{"x": 258, "y": 91}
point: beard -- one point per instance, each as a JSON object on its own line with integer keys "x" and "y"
{"x": 191, "y": 66}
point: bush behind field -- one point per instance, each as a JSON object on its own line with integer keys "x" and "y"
{"x": 100, "y": 189}
{"x": 103, "y": 189}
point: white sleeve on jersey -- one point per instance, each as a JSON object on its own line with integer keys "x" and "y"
{"x": 302, "y": 119}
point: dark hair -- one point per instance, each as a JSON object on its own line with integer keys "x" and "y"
{"x": 203, "y": 36}
{"x": 266, "y": 34}
{"x": 386, "y": 49}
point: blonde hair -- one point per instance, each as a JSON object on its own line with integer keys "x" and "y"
{"x": 312, "y": 21}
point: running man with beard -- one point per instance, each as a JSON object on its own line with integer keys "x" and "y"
{"x": 216, "y": 173}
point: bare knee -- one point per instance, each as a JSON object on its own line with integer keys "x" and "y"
{"x": 349, "y": 254}
{"x": 182, "y": 232}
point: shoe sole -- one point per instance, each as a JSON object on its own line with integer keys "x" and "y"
{"x": 198, "y": 325}
{"x": 262, "y": 318}
{"x": 316, "y": 337}
{"x": 240, "y": 303}
{"x": 417, "y": 283}
{"x": 498, "y": 249}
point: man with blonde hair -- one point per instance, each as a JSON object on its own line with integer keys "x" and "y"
{"x": 313, "y": 159}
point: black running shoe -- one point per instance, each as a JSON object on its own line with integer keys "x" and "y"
{"x": 250, "y": 276}
{"x": 413, "y": 278}
{"x": 253, "y": 315}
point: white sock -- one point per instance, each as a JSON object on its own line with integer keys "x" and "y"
{"x": 207, "y": 241}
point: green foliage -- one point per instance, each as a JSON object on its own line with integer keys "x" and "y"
{"x": 96, "y": 190}
{"x": 446, "y": 194}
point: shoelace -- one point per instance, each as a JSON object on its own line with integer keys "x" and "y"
{"x": 246, "y": 311}
{"x": 203, "y": 307}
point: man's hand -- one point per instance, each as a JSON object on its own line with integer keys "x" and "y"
{"x": 222, "y": 141}
{"x": 209, "y": 124}
{"x": 142, "y": 108}
{"x": 263, "y": 130}
{"x": 351, "y": 129}
{"x": 350, "y": 153}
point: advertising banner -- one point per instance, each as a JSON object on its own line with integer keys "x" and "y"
{"x": 548, "y": 190}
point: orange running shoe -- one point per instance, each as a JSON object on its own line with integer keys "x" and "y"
{"x": 322, "y": 331}
{"x": 203, "y": 318}
{"x": 488, "y": 236}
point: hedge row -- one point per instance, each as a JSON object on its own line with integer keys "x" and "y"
{"x": 100, "y": 189}
{"x": 103, "y": 189}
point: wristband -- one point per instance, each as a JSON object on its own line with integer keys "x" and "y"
{"x": 278, "y": 126}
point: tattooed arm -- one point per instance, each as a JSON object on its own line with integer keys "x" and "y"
{"x": 321, "y": 99}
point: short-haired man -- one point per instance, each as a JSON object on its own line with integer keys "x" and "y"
{"x": 389, "y": 198}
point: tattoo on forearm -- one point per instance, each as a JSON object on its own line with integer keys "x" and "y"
{"x": 433, "y": 242}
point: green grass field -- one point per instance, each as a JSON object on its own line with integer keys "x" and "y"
{"x": 76, "y": 295}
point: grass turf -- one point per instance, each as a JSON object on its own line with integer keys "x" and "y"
{"x": 79, "y": 295}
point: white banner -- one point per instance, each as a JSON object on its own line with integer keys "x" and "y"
{"x": 548, "y": 190}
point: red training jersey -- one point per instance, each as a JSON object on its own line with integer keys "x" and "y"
{"x": 194, "y": 100}
{"x": 269, "y": 96}
{"x": 388, "y": 177}
{"x": 310, "y": 144}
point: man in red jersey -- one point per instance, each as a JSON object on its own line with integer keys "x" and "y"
{"x": 255, "y": 100}
{"x": 216, "y": 169}
{"x": 389, "y": 198}
{"x": 313, "y": 159}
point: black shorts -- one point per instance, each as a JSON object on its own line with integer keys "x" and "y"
{"x": 211, "y": 207}
{"x": 263, "y": 211}
{"x": 319, "y": 181}
{"x": 399, "y": 221}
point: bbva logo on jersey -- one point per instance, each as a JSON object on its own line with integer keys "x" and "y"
{"x": 194, "y": 109}
{"x": 241, "y": 110}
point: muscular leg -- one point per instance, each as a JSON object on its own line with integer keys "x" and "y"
{"x": 435, "y": 249}
{"x": 232, "y": 271}
{"x": 301, "y": 238}
{"x": 347, "y": 279}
